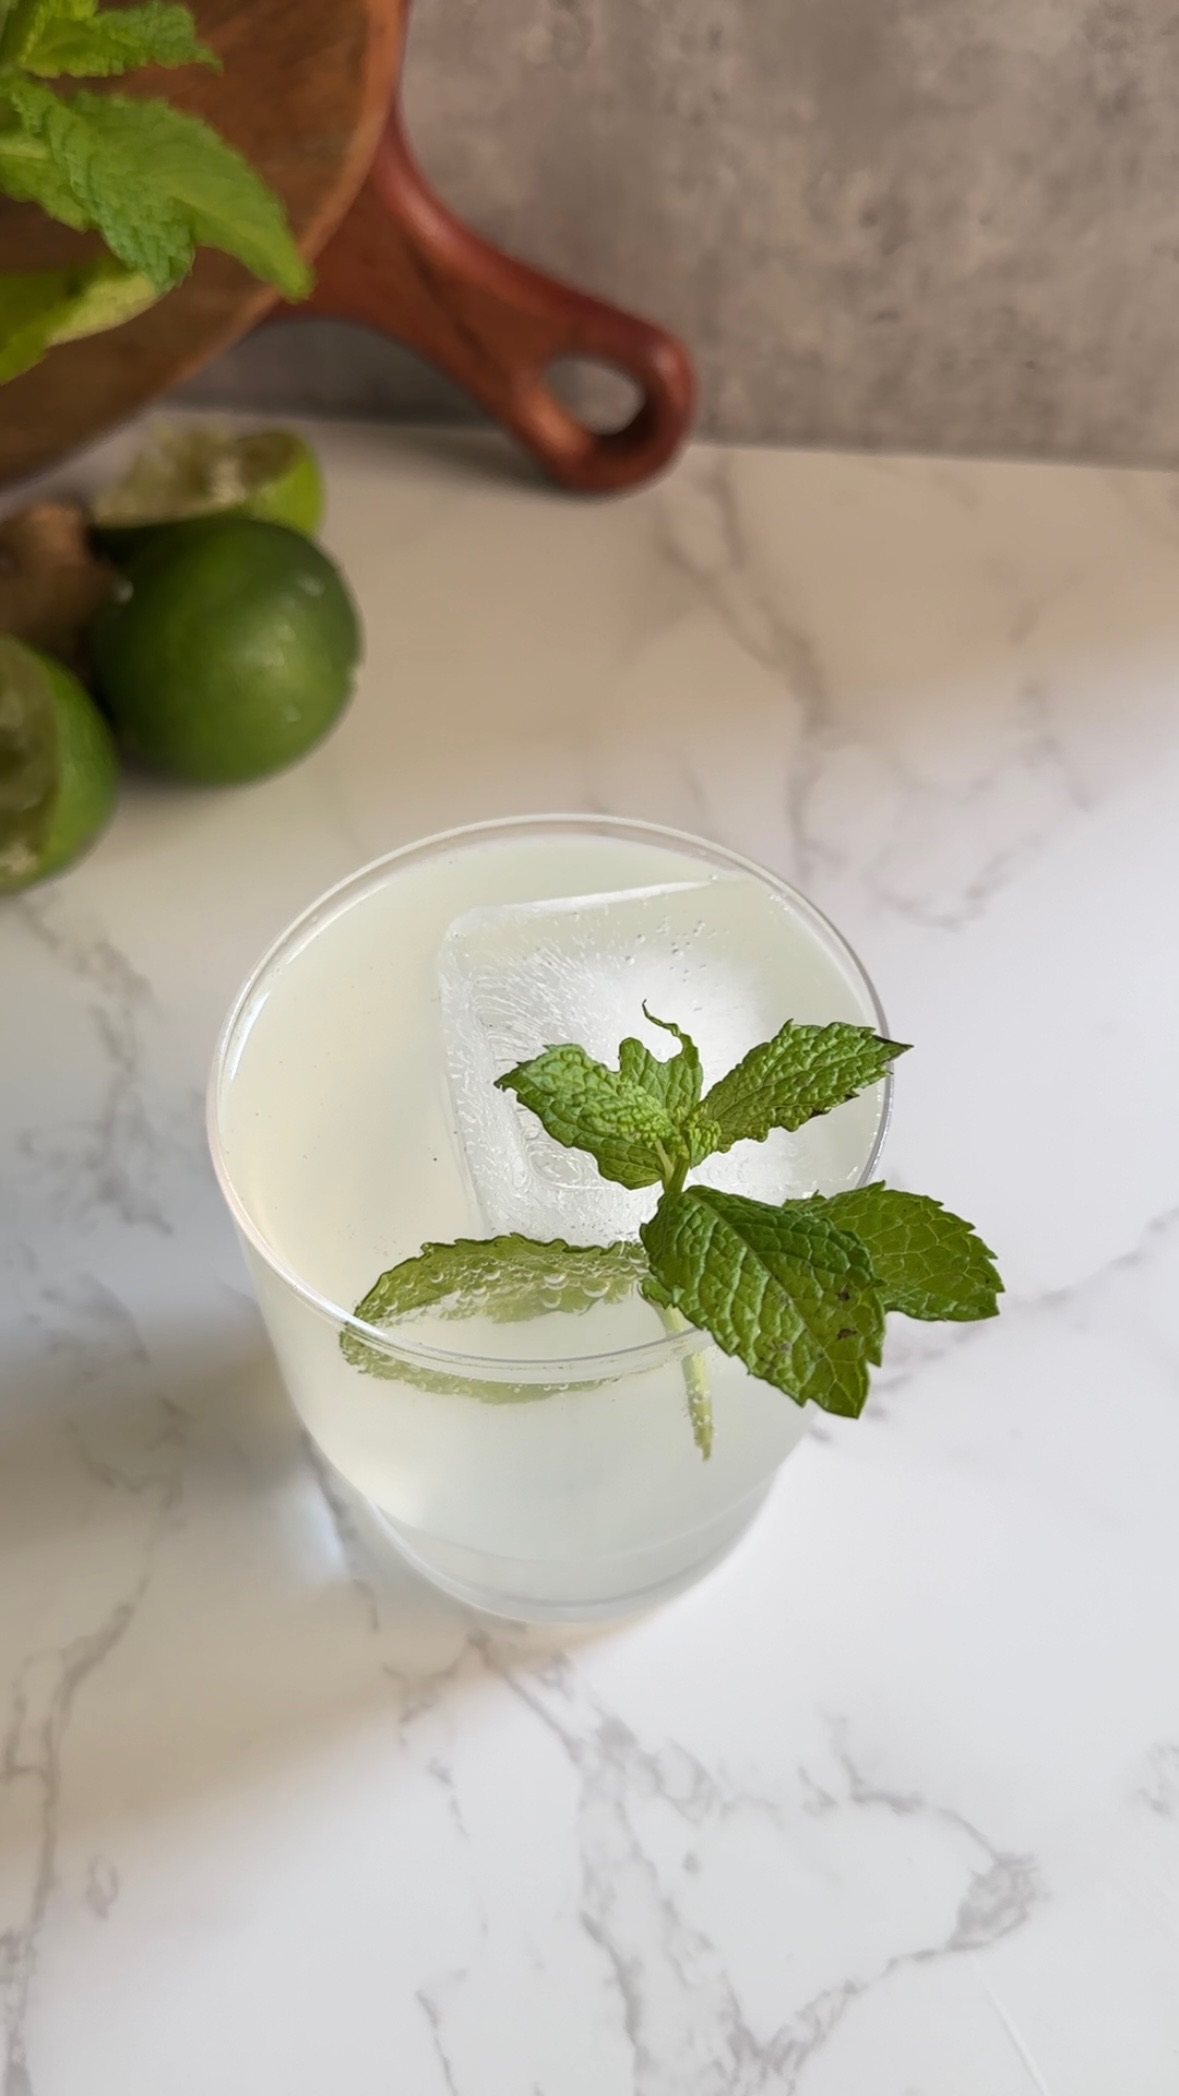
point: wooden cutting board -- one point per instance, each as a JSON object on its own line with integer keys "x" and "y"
{"x": 309, "y": 96}
{"x": 304, "y": 93}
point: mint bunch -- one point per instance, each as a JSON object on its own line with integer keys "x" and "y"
{"x": 797, "y": 1291}
{"x": 154, "y": 182}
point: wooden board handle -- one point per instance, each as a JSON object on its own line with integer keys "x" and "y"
{"x": 402, "y": 262}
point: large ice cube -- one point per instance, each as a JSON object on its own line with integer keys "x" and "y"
{"x": 723, "y": 958}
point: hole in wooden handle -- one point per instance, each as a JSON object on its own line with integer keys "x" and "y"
{"x": 603, "y": 395}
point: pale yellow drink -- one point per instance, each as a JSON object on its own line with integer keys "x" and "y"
{"x": 337, "y": 1136}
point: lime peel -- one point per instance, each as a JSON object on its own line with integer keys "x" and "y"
{"x": 58, "y": 768}
{"x": 231, "y": 653}
{"x": 206, "y": 469}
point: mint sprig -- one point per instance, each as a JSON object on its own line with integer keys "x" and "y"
{"x": 154, "y": 182}
{"x": 798, "y": 1291}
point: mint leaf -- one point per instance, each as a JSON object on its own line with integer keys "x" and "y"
{"x": 504, "y": 1278}
{"x": 676, "y": 1083}
{"x": 223, "y": 202}
{"x": 29, "y": 176}
{"x": 785, "y": 1290}
{"x": 803, "y": 1071}
{"x": 23, "y": 20}
{"x": 631, "y": 1136}
{"x": 87, "y": 43}
{"x": 388, "y": 1366}
{"x": 110, "y": 189}
{"x": 152, "y": 181}
{"x": 41, "y": 307}
{"x": 927, "y": 1262}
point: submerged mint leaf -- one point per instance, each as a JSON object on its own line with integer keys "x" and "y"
{"x": 927, "y": 1262}
{"x": 504, "y": 1278}
{"x": 785, "y": 1290}
{"x": 388, "y": 1366}
{"x": 802, "y": 1072}
{"x": 631, "y": 1136}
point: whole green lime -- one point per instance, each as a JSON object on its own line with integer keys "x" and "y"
{"x": 232, "y": 650}
{"x": 59, "y": 774}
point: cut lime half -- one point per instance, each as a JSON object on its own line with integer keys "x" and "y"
{"x": 203, "y": 470}
{"x": 58, "y": 769}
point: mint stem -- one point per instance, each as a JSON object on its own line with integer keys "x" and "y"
{"x": 695, "y": 1383}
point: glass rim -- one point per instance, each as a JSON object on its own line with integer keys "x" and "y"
{"x": 601, "y": 1366}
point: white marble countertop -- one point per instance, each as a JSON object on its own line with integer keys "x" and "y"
{"x": 890, "y": 1805}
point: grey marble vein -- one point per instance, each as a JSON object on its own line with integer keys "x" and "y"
{"x": 102, "y": 1886}
{"x": 1159, "y": 1791}
{"x": 426, "y": 1998}
{"x": 679, "y": 2007}
{"x": 139, "y": 1452}
{"x": 702, "y": 536}
{"x": 1037, "y": 759}
{"x": 32, "y": 1755}
{"x": 110, "y": 1160}
{"x": 922, "y": 857}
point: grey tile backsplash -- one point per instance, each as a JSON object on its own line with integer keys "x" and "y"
{"x": 916, "y": 224}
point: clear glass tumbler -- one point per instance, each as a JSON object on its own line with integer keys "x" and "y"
{"x": 542, "y": 1470}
